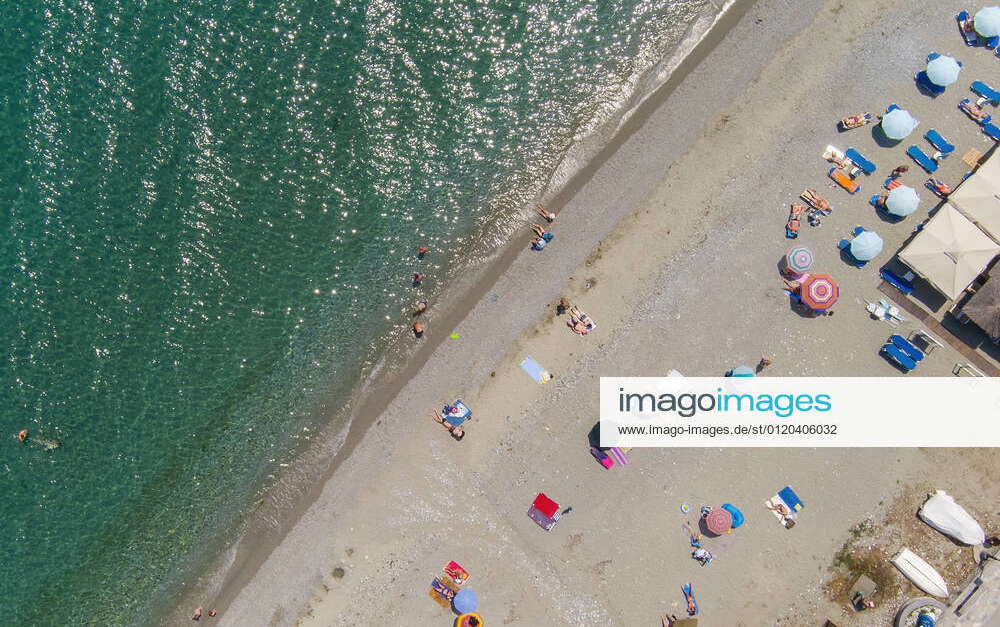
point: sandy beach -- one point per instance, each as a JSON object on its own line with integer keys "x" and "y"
{"x": 670, "y": 240}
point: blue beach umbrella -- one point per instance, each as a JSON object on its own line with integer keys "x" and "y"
{"x": 741, "y": 371}
{"x": 902, "y": 201}
{"x": 987, "y": 22}
{"x": 866, "y": 246}
{"x": 465, "y": 602}
{"x": 898, "y": 123}
{"x": 943, "y": 70}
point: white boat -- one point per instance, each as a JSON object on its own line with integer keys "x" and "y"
{"x": 944, "y": 514}
{"x": 920, "y": 573}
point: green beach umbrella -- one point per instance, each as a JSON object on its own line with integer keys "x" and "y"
{"x": 902, "y": 201}
{"x": 898, "y": 123}
{"x": 987, "y": 22}
{"x": 943, "y": 70}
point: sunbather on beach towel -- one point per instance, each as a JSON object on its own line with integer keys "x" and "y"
{"x": 538, "y": 244}
{"x": 974, "y": 111}
{"x": 787, "y": 517}
{"x": 456, "y": 432}
{"x": 578, "y": 326}
{"x": 794, "y": 221}
{"x": 814, "y": 199}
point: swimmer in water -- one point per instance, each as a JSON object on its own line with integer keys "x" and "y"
{"x": 417, "y": 279}
{"x": 422, "y": 251}
{"x": 22, "y": 435}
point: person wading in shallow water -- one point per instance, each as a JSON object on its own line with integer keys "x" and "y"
{"x": 418, "y": 329}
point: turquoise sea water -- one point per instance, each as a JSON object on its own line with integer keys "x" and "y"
{"x": 210, "y": 212}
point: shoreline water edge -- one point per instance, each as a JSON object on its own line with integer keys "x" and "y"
{"x": 675, "y": 196}
{"x": 288, "y": 494}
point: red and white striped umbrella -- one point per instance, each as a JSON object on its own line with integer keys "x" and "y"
{"x": 819, "y": 292}
{"x": 719, "y": 521}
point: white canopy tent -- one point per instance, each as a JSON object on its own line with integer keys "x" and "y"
{"x": 978, "y": 197}
{"x": 949, "y": 252}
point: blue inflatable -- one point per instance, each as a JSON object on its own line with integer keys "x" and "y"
{"x": 736, "y": 514}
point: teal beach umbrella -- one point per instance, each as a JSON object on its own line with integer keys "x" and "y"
{"x": 866, "y": 246}
{"x": 902, "y": 201}
{"x": 943, "y": 70}
{"x": 987, "y": 22}
{"x": 898, "y": 123}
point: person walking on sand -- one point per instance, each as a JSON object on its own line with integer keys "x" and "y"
{"x": 763, "y": 363}
{"x": 417, "y": 279}
{"x": 197, "y": 614}
{"x": 899, "y": 171}
{"x": 545, "y": 213}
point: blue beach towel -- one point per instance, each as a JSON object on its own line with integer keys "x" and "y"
{"x": 791, "y": 499}
{"x": 533, "y": 368}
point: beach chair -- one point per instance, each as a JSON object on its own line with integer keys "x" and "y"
{"x": 840, "y": 178}
{"x": 967, "y": 370}
{"x": 907, "y": 347}
{"x": 985, "y": 91}
{"x": 902, "y": 284}
{"x": 992, "y": 131}
{"x": 970, "y": 37}
{"x": 901, "y": 359}
{"x": 929, "y": 341}
{"x": 939, "y": 142}
{"x": 966, "y": 106}
{"x": 924, "y": 83}
{"x": 922, "y": 159}
{"x": 859, "y": 160}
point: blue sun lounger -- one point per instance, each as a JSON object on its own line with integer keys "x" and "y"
{"x": 859, "y": 160}
{"x": 992, "y": 131}
{"x": 924, "y": 82}
{"x": 971, "y": 38}
{"x": 938, "y": 141}
{"x": 907, "y": 347}
{"x": 984, "y": 90}
{"x": 901, "y": 359}
{"x": 921, "y": 158}
{"x": 897, "y": 281}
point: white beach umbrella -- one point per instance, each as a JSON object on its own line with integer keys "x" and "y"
{"x": 902, "y": 201}
{"x": 943, "y": 70}
{"x": 898, "y": 123}
{"x": 866, "y": 246}
{"x": 987, "y": 22}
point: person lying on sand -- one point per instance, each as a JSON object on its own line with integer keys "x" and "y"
{"x": 456, "y": 432}
{"x": 538, "y": 243}
{"x": 545, "y": 213}
{"x": 814, "y": 199}
{"x": 542, "y": 233}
